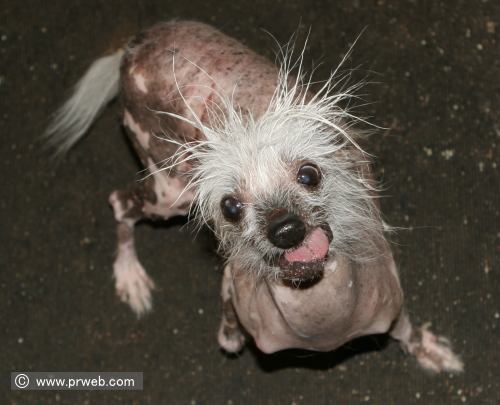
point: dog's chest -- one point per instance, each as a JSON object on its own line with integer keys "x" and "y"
{"x": 343, "y": 305}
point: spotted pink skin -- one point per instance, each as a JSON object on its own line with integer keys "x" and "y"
{"x": 168, "y": 57}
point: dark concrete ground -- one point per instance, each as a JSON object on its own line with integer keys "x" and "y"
{"x": 437, "y": 64}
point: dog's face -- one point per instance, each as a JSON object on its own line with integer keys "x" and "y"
{"x": 273, "y": 203}
{"x": 286, "y": 191}
{"x": 280, "y": 223}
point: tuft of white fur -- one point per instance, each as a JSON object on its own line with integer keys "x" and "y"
{"x": 98, "y": 86}
{"x": 256, "y": 158}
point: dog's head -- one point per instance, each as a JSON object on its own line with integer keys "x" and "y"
{"x": 286, "y": 191}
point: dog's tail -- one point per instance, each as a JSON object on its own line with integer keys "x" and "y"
{"x": 99, "y": 85}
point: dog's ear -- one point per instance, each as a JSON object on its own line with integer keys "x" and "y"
{"x": 360, "y": 163}
{"x": 355, "y": 158}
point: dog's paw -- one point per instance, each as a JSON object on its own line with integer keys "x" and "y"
{"x": 230, "y": 338}
{"x": 435, "y": 354}
{"x": 133, "y": 285}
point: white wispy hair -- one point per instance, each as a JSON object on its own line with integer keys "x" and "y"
{"x": 98, "y": 86}
{"x": 255, "y": 157}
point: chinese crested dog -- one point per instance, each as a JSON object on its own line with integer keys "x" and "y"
{"x": 274, "y": 169}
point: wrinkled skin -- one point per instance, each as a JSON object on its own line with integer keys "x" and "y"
{"x": 350, "y": 300}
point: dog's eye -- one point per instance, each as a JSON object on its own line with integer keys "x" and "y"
{"x": 232, "y": 208}
{"x": 309, "y": 175}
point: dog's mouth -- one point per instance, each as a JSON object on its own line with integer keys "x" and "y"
{"x": 306, "y": 262}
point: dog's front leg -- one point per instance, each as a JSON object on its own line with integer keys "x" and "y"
{"x": 231, "y": 337}
{"x": 132, "y": 283}
{"x": 432, "y": 352}
{"x": 158, "y": 196}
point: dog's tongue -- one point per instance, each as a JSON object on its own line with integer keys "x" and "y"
{"x": 314, "y": 247}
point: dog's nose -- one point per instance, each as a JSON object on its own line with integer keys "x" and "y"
{"x": 286, "y": 231}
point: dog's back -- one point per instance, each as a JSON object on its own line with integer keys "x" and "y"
{"x": 183, "y": 67}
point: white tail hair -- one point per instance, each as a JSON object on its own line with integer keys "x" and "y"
{"x": 99, "y": 85}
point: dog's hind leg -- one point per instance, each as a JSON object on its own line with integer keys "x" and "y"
{"x": 158, "y": 196}
{"x": 230, "y": 336}
{"x": 432, "y": 352}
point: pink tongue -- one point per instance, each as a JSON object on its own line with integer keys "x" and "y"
{"x": 314, "y": 247}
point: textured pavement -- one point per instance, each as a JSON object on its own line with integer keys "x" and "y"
{"x": 435, "y": 73}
